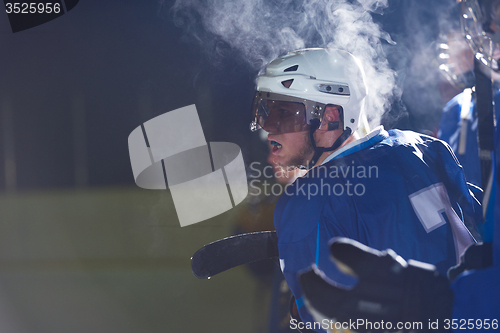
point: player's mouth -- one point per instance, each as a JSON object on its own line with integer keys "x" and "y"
{"x": 276, "y": 147}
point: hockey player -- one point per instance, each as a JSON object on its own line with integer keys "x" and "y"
{"x": 398, "y": 190}
{"x": 477, "y": 294}
{"x": 475, "y": 280}
{"x": 460, "y": 118}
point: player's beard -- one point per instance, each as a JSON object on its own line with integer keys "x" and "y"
{"x": 301, "y": 158}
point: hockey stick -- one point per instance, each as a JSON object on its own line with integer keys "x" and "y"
{"x": 230, "y": 252}
{"x": 486, "y": 144}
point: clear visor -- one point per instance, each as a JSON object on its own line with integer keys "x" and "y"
{"x": 276, "y": 113}
{"x": 482, "y": 31}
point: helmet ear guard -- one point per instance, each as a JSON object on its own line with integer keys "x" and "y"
{"x": 333, "y": 125}
{"x": 318, "y": 151}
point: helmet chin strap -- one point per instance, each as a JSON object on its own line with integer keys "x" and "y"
{"x": 318, "y": 151}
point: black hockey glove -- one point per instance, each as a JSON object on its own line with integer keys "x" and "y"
{"x": 477, "y": 256}
{"x": 391, "y": 294}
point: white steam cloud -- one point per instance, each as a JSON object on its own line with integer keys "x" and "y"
{"x": 425, "y": 95}
{"x": 259, "y": 31}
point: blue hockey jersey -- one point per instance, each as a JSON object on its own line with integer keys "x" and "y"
{"x": 396, "y": 189}
{"x": 477, "y": 293}
{"x": 450, "y": 131}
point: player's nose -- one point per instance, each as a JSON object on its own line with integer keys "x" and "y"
{"x": 271, "y": 125}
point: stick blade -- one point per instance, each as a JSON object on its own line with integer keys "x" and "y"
{"x": 233, "y": 251}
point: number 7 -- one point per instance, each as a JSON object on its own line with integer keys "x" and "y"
{"x": 433, "y": 209}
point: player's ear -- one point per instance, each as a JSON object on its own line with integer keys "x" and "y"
{"x": 330, "y": 116}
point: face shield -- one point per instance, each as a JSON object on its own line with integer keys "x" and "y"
{"x": 480, "y": 22}
{"x": 277, "y": 113}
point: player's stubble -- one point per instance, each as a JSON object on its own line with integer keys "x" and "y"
{"x": 303, "y": 154}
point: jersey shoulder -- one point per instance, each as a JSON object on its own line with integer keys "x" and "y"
{"x": 403, "y": 144}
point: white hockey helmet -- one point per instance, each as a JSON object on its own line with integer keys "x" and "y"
{"x": 311, "y": 79}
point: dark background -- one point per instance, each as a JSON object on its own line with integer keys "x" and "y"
{"x": 72, "y": 90}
